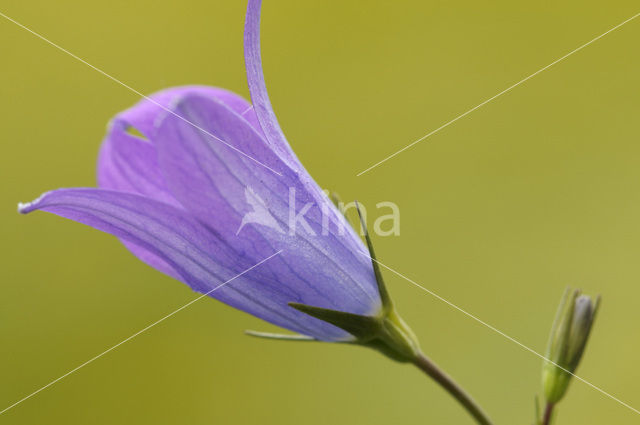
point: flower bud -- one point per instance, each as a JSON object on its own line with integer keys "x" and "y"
{"x": 567, "y": 342}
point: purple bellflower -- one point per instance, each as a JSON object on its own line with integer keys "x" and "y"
{"x": 204, "y": 187}
{"x": 200, "y": 184}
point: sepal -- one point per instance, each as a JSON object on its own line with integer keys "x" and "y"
{"x": 280, "y": 337}
{"x": 387, "y": 305}
{"x": 361, "y": 327}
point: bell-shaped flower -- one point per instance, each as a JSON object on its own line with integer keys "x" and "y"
{"x": 203, "y": 186}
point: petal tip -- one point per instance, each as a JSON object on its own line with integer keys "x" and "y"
{"x": 23, "y": 208}
{"x": 27, "y": 207}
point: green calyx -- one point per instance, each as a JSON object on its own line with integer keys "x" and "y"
{"x": 385, "y": 331}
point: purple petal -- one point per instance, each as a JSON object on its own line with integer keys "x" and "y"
{"x": 151, "y": 259}
{"x": 258, "y": 89}
{"x": 198, "y": 256}
{"x": 224, "y": 188}
{"x": 144, "y": 114}
{"x": 127, "y": 163}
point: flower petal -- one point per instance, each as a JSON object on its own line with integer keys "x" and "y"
{"x": 143, "y": 115}
{"x": 247, "y": 206}
{"x": 127, "y": 163}
{"x": 258, "y": 88}
{"x": 199, "y": 257}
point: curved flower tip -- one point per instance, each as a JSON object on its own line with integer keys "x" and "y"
{"x": 187, "y": 194}
{"x": 27, "y": 207}
{"x": 258, "y": 88}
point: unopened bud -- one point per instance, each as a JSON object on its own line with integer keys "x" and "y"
{"x": 567, "y": 342}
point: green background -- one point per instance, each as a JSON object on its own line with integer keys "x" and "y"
{"x": 499, "y": 211}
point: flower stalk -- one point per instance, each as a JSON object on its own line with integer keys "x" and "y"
{"x": 448, "y": 384}
{"x": 548, "y": 414}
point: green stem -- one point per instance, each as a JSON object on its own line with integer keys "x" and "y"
{"x": 548, "y": 413}
{"x": 430, "y": 368}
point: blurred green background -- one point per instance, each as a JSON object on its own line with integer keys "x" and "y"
{"x": 501, "y": 210}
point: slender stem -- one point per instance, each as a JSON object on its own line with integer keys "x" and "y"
{"x": 548, "y": 412}
{"x": 446, "y": 382}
